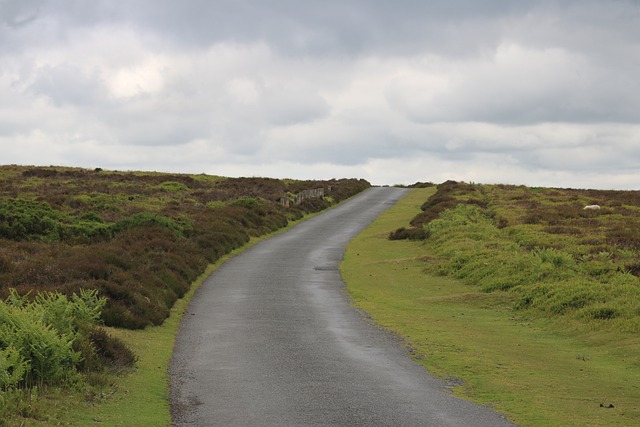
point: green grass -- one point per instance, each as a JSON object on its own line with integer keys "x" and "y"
{"x": 539, "y": 371}
{"x": 140, "y": 240}
{"x": 541, "y": 245}
{"x": 141, "y": 398}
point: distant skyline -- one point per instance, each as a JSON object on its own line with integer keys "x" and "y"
{"x": 541, "y": 93}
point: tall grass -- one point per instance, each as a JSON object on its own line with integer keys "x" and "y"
{"x": 131, "y": 244}
{"x": 138, "y": 239}
{"x": 540, "y": 245}
{"x": 537, "y": 367}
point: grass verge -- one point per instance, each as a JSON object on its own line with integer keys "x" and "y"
{"x": 537, "y": 371}
{"x": 141, "y": 398}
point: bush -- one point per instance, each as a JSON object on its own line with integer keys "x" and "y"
{"x": 5, "y": 264}
{"x": 138, "y": 239}
{"x": 314, "y": 205}
{"x": 110, "y": 351}
{"x": 246, "y": 202}
{"x": 74, "y": 316}
{"x": 47, "y": 340}
{"x": 13, "y": 367}
{"x": 171, "y": 187}
{"x": 413, "y": 233}
{"x": 601, "y": 312}
{"x": 538, "y": 244}
{"x": 28, "y": 220}
{"x": 149, "y": 219}
{"x": 47, "y": 355}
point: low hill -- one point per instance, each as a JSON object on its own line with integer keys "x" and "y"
{"x": 560, "y": 251}
{"x": 138, "y": 238}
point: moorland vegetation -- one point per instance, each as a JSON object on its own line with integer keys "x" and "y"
{"x": 539, "y": 244}
{"x": 547, "y": 362}
{"x": 81, "y": 249}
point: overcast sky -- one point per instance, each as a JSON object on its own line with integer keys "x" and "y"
{"x": 543, "y": 93}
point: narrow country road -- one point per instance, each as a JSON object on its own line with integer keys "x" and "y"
{"x": 270, "y": 339}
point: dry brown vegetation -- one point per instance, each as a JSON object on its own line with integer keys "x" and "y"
{"x": 81, "y": 248}
{"x": 137, "y": 238}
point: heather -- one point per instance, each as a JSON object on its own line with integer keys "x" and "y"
{"x": 541, "y": 245}
{"x": 542, "y": 363}
{"x": 138, "y": 239}
{"x": 81, "y": 250}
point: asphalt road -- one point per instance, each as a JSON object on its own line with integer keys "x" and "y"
{"x": 270, "y": 339}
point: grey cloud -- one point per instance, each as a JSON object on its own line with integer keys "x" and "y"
{"x": 339, "y": 143}
{"x": 288, "y": 107}
{"x": 355, "y": 27}
{"x": 523, "y": 87}
{"x": 292, "y": 27}
{"x": 18, "y": 13}
{"x": 151, "y": 121}
{"x": 68, "y": 85}
{"x": 342, "y": 83}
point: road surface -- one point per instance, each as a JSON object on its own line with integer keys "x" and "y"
{"x": 270, "y": 339}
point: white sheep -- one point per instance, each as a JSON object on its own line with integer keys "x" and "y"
{"x": 591, "y": 207}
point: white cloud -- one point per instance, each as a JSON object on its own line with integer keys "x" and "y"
{"x": 544, "y": 93}
{"x": 143, "y": 78}
{"x": 243, "y": 91}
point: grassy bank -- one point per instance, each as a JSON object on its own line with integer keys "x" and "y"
{"x": 141, "y": 398}
{"x": 537, "y": 369}
{"x": 136, "y": 241}
{"x": 138, "y": 238}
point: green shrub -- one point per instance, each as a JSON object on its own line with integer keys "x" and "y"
{"x": 39, "y": 338}
{"x": 540, "y": 245}
{"x": 571, "y": 295}
{"x": 216, "y": 204}
{"x": 13, "y": 367}
{"x": 149, "y": 219}
{"x": 86, "y": 231}
{"x": 529, "y": 296}
{"x": 461, "y": 215}
{"x": 601, "y": 312}
{"x": 49, "y": 356}
{"x": 137, "y": 238}
{"x": 171, "y": 187}
{"x": 246, "y": 202}
{"x": 29, "y": 220}
{"x": 76, "y": 315}
{"x": 555, "y": 257}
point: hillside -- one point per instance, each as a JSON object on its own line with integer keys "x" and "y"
{"x": 516, "y": 297}
{"x": 83, "y": 249}
{"x": 541, "y": 245}
{"x": 137, "y": 238}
